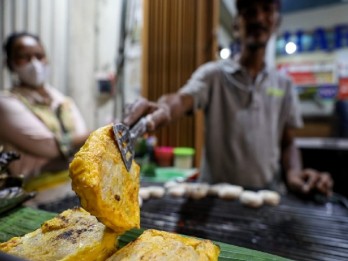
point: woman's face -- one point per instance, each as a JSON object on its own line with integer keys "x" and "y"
{"x": 24, "y": 50}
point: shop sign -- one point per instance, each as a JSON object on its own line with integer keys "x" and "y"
{"x": 319, "y": 39}
{"x": 328, "y": 92}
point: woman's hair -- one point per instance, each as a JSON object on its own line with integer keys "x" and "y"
{"x": 11, "y": 39}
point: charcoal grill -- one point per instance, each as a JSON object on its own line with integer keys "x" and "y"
{"x": 297, "y": 229}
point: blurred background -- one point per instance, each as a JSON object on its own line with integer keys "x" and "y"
{"x": 83, "y": 41}
{"x": 107, "y": 53}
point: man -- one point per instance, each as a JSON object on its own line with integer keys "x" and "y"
{"x": 250, "y": 111}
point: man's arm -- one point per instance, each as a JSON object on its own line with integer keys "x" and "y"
{"x": 291, "y": 159}
{"x": 299, "y": 180}
{"x": 168, "y": 108}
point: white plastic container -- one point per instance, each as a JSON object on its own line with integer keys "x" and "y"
{"x": 183, "y": 157}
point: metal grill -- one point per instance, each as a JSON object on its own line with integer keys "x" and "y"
{"x": 297, "y": 229}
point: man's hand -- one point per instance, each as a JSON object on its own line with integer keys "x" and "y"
{"x": 158, "y": 114}
{"x": 309, "y": 180}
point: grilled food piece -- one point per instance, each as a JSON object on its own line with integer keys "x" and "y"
{"x": 251, "y": 199}
{"x": 72, "y": 235}
{"x": 158, "y": 245}
{"x": 105, "y": 187}
{"x": 270, "y": 197}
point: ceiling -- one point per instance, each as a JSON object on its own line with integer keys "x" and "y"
{"x": 289, "y": 6}
{"x": 299, "y": 5}
{"x": 227, "y": 8}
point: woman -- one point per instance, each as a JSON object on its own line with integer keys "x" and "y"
{"x": 37, "y": 121}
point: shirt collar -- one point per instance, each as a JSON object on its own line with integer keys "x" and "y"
{"x": 232, "y": 65}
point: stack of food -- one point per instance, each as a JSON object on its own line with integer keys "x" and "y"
{"x": 109, "y": 197}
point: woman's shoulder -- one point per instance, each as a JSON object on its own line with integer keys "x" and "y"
{"x": 10, "y": 103}
{"x": 7, "y": 96}
{"x": 5, "y": 93}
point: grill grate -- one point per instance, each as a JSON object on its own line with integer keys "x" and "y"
{"x": 296, "y": 229}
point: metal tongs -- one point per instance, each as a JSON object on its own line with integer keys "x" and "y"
{"x": 126, "y": 138}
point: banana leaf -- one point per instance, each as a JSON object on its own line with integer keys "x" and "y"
{"x": 24, "y": 220}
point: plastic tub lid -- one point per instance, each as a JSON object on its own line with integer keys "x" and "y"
{"x": 164, "y": 149}
{"x": 182, "y": 151}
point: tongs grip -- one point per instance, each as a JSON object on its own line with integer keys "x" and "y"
{"x": 126, "y": 138}
{"x": 140, "y": 128}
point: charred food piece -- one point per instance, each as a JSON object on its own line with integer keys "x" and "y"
{"x": 72, "y": 235}
{"x": 158, "y": 245}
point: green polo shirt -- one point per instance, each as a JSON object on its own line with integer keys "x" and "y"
{"x": 244, "y": 121}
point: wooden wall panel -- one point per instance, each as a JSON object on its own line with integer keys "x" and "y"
{"x": 178, "y": 36}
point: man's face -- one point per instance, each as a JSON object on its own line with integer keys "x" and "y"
{"x": 257, "y": 22}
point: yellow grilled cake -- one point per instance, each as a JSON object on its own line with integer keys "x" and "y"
{"x": 72, "y": 235}
{"x": 158, "y": 245}
{"x": 105, "y": 188}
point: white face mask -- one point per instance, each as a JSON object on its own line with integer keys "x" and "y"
{"x": 34, "y": 73}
